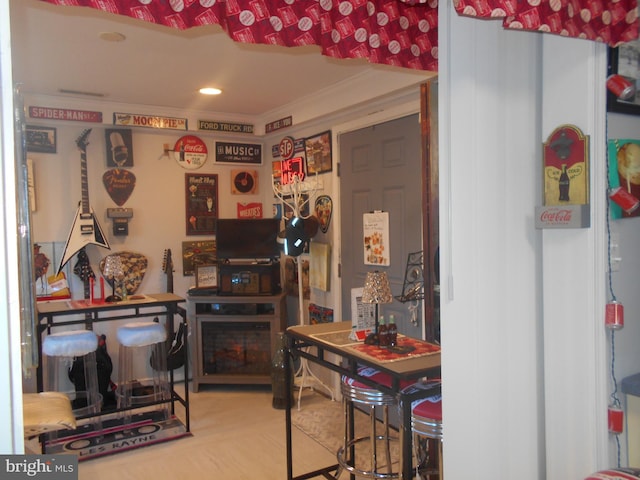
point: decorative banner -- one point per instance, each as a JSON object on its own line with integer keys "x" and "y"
{"x": 278, "y": 124}
{"x": 119, "y": 144}
{"x": 244, "y": 182}
{"x": 190, "y": 152}
{"x": 375, "y": 227}
{"x": 201, "y": 203}
{"x": 239, "y": 153}
{"x": 119, "y": 184}
{"x": 250, "y": 210}
{"x": 227, "y": 127}
{"x": 49, "y": 113}
{"x": 151, "y": 121}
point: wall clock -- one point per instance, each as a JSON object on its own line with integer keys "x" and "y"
{"x": 244, "y": 181}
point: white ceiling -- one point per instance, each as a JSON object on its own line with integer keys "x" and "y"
{"x": 57, "y": 48}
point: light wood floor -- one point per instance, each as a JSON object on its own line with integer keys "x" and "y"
{"x": 237, "y": 435}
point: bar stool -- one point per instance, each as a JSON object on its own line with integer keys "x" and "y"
{"x": 426, "y": 426}
{"x": 59, "y": 350}
{"x": 357, "y": 393}
{"x": 138, "y": 341}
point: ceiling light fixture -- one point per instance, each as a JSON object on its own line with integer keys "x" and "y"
{"x": 80, "y": 92}
{"x": 210, "y": 91}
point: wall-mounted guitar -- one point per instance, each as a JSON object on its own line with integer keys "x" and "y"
{"x": 85, "y": 229}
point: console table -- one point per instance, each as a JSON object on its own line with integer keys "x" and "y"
{"x": 64, "y": 313}
{"x": 334, "y": 338}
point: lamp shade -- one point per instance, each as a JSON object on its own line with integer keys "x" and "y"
{"x": 376, "y": 288}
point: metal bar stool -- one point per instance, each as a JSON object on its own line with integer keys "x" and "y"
{"x": 59, "y": 350}
{"x": 426, "y": 425}
{"x": 138, "y": 342}
{"x": 357, "y": 393}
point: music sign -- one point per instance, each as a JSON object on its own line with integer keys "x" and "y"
{"x": 238, "y": 153}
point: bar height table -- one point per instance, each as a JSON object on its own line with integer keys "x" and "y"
{"x": 333, "y": 338}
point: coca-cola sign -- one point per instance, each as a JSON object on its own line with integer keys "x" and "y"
{"x": 568, "y": 216}
{"x": 559, "y": 216}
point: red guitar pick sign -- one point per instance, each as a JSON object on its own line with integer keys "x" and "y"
{"x": 119, "y": 184}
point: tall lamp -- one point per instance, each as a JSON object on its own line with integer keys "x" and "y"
{"x": 376, "y": 290}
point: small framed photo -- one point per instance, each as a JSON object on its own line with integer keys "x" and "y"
{"x": 41, "y": 139}
{"x": 318, "y": 153}
{"x": 207, "y": 276}
{"x": 623, "y": 62}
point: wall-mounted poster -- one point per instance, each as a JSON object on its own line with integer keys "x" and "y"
{"x": 318, "y": 153}
{"x": 201, "y": 203}
{"x": 624, "y": 177}
{"x": 40, "y": 139}
{"x": 195, "y": 254}
{"x": 376, "y": 238}
{"x": 119, "y": 145}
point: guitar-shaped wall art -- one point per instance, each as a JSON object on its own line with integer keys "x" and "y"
{"x": 85, "y": 229}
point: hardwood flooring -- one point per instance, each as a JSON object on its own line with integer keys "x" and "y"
{"x": 237, "y": 435}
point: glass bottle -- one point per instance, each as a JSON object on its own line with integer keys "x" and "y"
{"x": 278, "y": 381}
{"x": 392, "y": 330}
{"x": 383, "y": 333}
{"x": 564, "y": 184}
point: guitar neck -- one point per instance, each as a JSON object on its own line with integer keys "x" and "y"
{"x": 84, "y": 183}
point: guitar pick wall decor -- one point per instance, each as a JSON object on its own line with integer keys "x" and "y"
{"x": 134, "y": 266}
{"x": 119, "y": 184}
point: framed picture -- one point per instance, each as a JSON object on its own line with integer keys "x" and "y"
{"x": 318, "y": 153}
{"x": 207, "y": 276}
{"x": 625, "y": 61}
{"x": 41, "y": 139}
{"x": 119, "y": 145}
{"x": 201, "y": 192}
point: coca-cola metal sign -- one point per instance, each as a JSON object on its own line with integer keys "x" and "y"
{"x": 568, "y": 216}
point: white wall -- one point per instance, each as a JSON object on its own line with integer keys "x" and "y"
{"x": 490, "y": 274}
{"x": 524, "y": 348}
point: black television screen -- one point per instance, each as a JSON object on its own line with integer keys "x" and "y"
{"x": 247, "y": 238}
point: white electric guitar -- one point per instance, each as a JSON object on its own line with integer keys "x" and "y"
{"x": 85, "y": 229}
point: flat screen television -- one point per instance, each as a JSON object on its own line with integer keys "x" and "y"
{"x": 247, "y": 238}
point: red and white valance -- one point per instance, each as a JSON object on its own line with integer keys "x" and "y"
{"x": 401, "y": 33}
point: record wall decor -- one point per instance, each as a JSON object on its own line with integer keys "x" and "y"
{"x": 244, "y": 181}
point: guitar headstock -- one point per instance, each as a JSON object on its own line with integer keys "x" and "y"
{"x": 167, "y": 262}
{"x": 83, "y": 139}
{"x": 167, "y": 267}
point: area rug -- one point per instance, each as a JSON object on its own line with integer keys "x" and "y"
{"x": 144, "y": 430}
{"x": 323, "y": 420}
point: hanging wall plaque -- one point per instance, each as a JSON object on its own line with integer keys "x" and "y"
{"x": 190, "y": 152}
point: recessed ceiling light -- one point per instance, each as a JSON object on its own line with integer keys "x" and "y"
{"x": 112, "y": 36}
{"x": 210, "y": 91}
